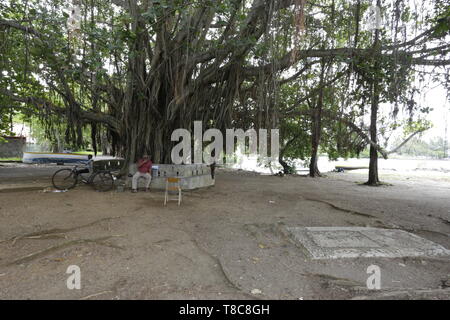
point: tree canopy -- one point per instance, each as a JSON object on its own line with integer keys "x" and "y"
{"x": 135, "y": 70}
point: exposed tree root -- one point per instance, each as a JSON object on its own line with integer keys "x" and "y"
{"x": 42, "y": 253}
{"x": 95, "y": 295}
{"x": 336, "y": 280}
{"x": 378, "y": 221}
{"x": 40, "y": 237}
{"x": 340, "y": 208}
{"x": 426, "y": 231}
{"x": 293, "y": 270}
{"x": 224, "y": 274}
{"x": 45, "y": 236}
{"x": 24, "y": 189}
{"x": 377, "y": 184}
{"x": 447, "y": 222}
{"x": 407, "y": 293}
{"x": 55, "y": 233}
{"x": 326, "y": 278}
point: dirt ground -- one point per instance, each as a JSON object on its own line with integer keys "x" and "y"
{"x": 221, "y": 243}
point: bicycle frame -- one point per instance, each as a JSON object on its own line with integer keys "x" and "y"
{"x": 80, "y": 177}
{"x": 105, "y": 181}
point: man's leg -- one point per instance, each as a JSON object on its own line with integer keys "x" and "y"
{"x": 148, "y": 176}
{"x": 134, "y": 182}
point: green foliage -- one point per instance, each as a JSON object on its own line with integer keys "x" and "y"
{"x": 442, "y": 23}
{"x": 435, "y": 148}
{"x": 130, "y": 63}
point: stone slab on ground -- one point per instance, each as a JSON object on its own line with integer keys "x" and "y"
{"x": 360, "y": 242}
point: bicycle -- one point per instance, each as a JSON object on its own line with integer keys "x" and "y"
{"x": 65, "y": 179}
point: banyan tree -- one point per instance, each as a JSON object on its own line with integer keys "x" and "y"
{"x": 133, "y": 71}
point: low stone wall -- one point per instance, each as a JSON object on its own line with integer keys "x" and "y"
{"x": 13, "y": 147}
{"x": 193, "y": 176}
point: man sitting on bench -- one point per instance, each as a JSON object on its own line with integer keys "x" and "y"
{"x": 144, "y": 166}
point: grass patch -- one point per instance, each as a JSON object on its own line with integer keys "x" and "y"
{"x": 10, "y": 159}
{"x": 86, "y": 153}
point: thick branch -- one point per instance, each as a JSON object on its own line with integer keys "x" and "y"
{"x": 349, "y": 123}
{"x": 44, "y": 104}
{"x": 406, "y": 140}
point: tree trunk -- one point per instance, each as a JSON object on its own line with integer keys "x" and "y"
{"x": 373, "y": 165}
{"x": 316, "y": 128}
{"x": 286, "y": 168}
{"x": 313, "y": 168}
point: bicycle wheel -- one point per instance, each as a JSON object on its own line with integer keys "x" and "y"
{"x": 102, "y": 181}
{"x": 64, "y": 179}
